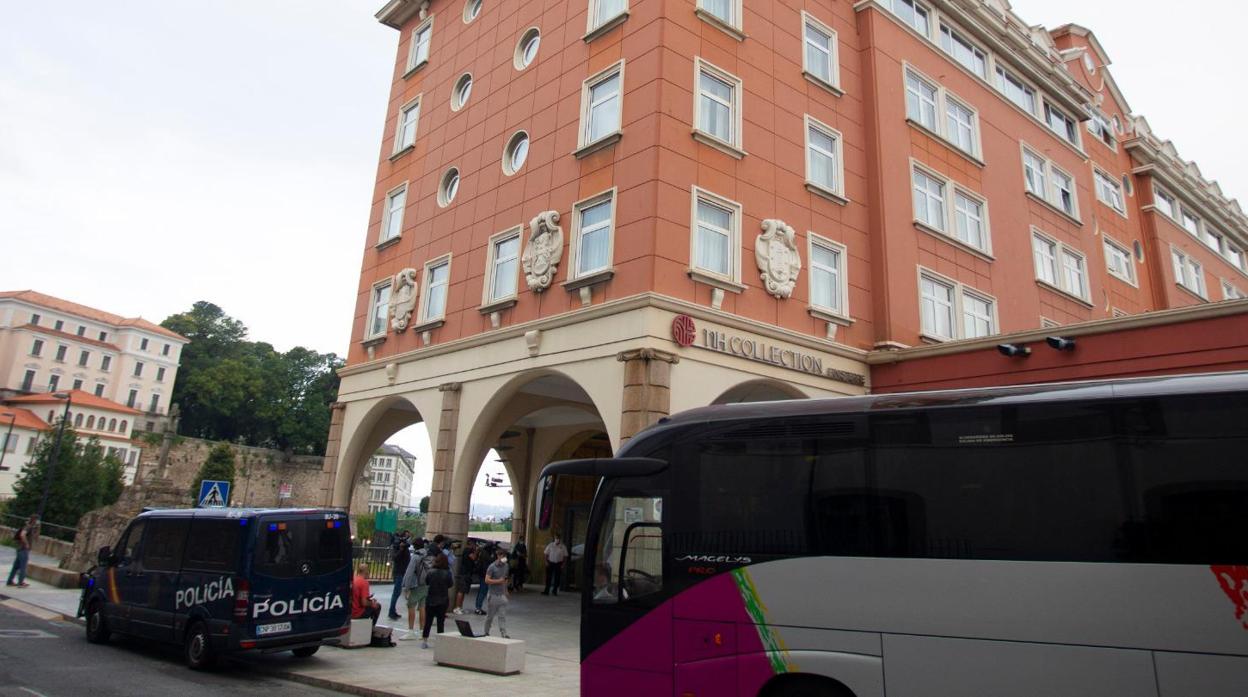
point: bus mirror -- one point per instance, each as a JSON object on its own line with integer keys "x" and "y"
{"x": 104, "y": 556}
{"x": 545, "y": 501}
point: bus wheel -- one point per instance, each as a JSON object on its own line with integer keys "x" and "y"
{"x": 796, "y": 685}
{"x": 304, "y": 651}
{"x": 199, "y": 654}
{"x": 97, "y": 627}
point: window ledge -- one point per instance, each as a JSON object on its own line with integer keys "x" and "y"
{"x": 429, "y": 325}
{"x": 827, "y": 193}
{"x": 727, "y": 148}
{"x": 415, "y": 68}
{"x": 811, "y": 77}
{"x": 734, "y": 32}
{"x": 700, "y": 276}
{"x": 933, "y": 339}
{"x": 828, "y": 316}
{"x": 405, "y": 150}
{"x": 1127, "y": 281}
{"x": 950, "y": 239}
{"x": 946, "y": 142}
{"x": 1064, "y": 293}
{"x": 388, "y": 243}
{"x": 1191, "y": 292}
{"x": 601, "y": 144}
{"x": 375, "y": 341}
{"x": 1055, "y": 209}
{"x": 605, "y": 27}
{"x": 498, "y": 305}
{"x": 1111, "y": 207}
{"x": 589, "y": 279}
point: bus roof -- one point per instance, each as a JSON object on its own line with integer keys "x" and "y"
{"x": 231, "y": 512}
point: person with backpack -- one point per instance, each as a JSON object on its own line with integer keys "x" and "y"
{"x": 484, "y": 558}
{"x": 25, "y": 540}
{"x": 401, "y": 554}
{"x": 463, "y": 575}
{"x": 414, "y": 589}
{"x": 439, "y": 582}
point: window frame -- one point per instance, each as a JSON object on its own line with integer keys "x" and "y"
{"x": 942, "y": 101}
{"x": 427, "y": 289}
{"x": 1002, "y": 75}
{"x": 958, "y": 36}
{"x": 489, "y": 295}
{"x": 458, "y": 99}
{"x": 510, "y": 168}
{"x": 1060, "y": 251}
{"x": 446, "y": 197}
{"x": 604, "y": 24}
{"x": 915, "y": 7}
{"x": 468, "y": 17}
{"x": 527, "y": 37}
{"x": 733, "y": 26}
{"x": 575, "y": 247}
{"x": 584, "y": 145}
{"x": 1230, "y": 291}
{"x": 413, "y": 61}
{"x": 1131, "y": 276}
{"x": 373, "y": 307}
{"x": 388, "y": 212}
{"x": 949, "y": 218}
{"x": 1190, "y": 264}
{"x": 732, "y": 280}
{"x": 1052, "y": 194}
{"x": 835, "y": 193}
{"x": 832, "y": 82}
{"x": 1101, "y": 180}
{"x": 957, "y": 292}
{"x": 1071, "y": 125}
{"x": 841, "y": 274}
{"x": 400, "y": 144}
{"x": 736, "y": 146}
{"x": 1171, "y": 209}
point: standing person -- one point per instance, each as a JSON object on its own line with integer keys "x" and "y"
{"x": 463, "y": 576}
{"x": 363, "y": 604}
{"x": 439, "y": 582}
{"x": 496, "y": 581}
{"x": 484, "y": 558}
{"x": 520, "y": 570}
{"x": 25, "y": 540}
{"x": 401, "y": 554}
{"x": 414, "y": 588}
{"x": 556, "y": 554}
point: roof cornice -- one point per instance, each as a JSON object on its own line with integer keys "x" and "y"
{"x": 395, "y": 13}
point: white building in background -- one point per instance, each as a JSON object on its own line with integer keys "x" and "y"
{"x": 390, "y": 472}
{"x": 49, "y": 344}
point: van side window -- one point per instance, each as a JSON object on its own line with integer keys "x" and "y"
{"x": 284, "y": 547}
{"x": 128, "y": 548}
{"x": 165, "y": 541}
{"x": 213, "y": 545}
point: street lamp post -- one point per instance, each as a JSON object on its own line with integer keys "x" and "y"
{"x": 56, "y": 451}
{"x": 8, "y": 437}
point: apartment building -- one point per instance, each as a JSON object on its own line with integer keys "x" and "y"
{"x": 48, "y": 344}
{"x": 592, "y": 213}
{"x": 390, "y": 471}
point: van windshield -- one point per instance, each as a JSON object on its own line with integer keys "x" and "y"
{"x": 301, "y": 547}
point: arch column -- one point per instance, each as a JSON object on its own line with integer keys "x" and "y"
{"x": 441, "y": 520}
{"x": 329, "y": 470}
{"x": 647, "y": 389}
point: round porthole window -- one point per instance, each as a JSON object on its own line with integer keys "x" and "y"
{"x": 472, "y": 9}
{"x": 462, "y": 92}
{"x": 449, "y": 187}
{"x": 526, "y": 50}
{"x": 516, "y": 153}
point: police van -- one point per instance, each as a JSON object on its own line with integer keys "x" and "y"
{"x": 220, "y": 581}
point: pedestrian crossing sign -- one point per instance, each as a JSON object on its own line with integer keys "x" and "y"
{"x": 214, "y": 494}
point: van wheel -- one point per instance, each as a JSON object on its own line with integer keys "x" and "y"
{"x": 97, "y": 626}
{"x": 199, "y": 653}
{"x": 304, "y": 651}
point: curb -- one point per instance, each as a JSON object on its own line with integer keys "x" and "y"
{"x": 321, "y": 682}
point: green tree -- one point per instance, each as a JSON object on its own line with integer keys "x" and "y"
{"x": 84, "y": 479}
{"x": 424, "y": 504}
{"x": 365, "y": 527}
{"x": 219, "y": 466}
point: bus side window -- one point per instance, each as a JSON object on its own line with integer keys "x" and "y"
{"x": 630, "y": 557}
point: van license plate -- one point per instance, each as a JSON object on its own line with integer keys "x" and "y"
{"x": 267, "y": 629}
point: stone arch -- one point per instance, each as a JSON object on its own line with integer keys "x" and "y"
{"x": 369, "y": 425}
{"x": 760, "y": 390}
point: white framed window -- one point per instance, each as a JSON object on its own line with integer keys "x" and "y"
{"x": 944, "y": 206}
{"x": 942, "y": 113}
{"x": 717, "y": 108}
{"x": 378, "y": 309}
{"x": 825, "y": 171}
{"x": 1061, "y": 124}
{"x": 1211, "y": 238}
{"x": 437, "y": 284}
{"x": 964, "y": 51}
{"x": 472, "y": 10}
{"x": 722, "y": 14}
{"x": 1118, "y": 261}
{"x": 1165, "y": 203}
{"x": 392, "y": 213}
{"x": 1109, "y": 191}
{"x": 502, "y": 266}
{"x": 516, "y": 153}
{"x": 1049, "y": 183}
{"x": 405, "y": 129}
{"x": 716, "y": 236}
{"x": 602, "y": 98}
{"x": 527, "y": 47}
{"x": 1191, "y": 223}
{"x": 913, "y": 13}
{"x": 949, "y": 310}
{"x": 1231, "y": 292}
{"x": 1017, "y": 91}
{"x": 829, "y": 287}
{"x": 1188, "y": 272}
{"x": 448, "y": 189}
{"x": 462, "y": 92}
{"x": 422, "y": 40}
{"x": 1059, "y": 266}
{"x": 604, "y": 14}
{"x": 1100, "y": 126}
{"x": 1236, "y": 256}
{"x": 593, "y": 234}
{"x": 821, "y": 53}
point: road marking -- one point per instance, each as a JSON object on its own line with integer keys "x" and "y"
{"x": 25, "y": 634}
{"x": 31, "y": 609}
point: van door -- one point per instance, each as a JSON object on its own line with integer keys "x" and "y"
{"x": 210, "y": 570}
{"x": 152, "y": 615}
{"x": 301, "y": 575}
{"x": 126, "y": 580}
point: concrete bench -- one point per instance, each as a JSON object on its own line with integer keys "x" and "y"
{"x": 485, "y": 654}
{"x": 361, "y": 634}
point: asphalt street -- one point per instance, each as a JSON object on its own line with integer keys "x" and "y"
{"x": 40, "y": 658}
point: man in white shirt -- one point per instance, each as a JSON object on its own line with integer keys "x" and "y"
{"x": 556, "y": 555}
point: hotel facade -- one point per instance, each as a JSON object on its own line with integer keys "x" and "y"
{"x": 589, "y": 214}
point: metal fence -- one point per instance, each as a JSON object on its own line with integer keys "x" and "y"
{"x": 378, "y": 560}
{"x": 57, "y": 532}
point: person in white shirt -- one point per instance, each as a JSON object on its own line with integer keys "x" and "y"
{"x": 556, "y": 555}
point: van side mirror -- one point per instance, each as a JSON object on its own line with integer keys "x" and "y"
{"x": 545, "y": 501}
{"x": 104, "y": 556}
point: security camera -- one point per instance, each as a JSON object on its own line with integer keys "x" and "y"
{"x": 1059, "y": 343}
{"x": 1014, "y": 350}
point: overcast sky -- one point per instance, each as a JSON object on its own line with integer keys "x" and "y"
{"x": 157, "y": 153}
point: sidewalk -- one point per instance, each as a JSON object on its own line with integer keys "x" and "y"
{"x": 549, "y": 626}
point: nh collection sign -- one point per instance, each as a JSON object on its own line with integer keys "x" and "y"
{"x": 685, "y": 333}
